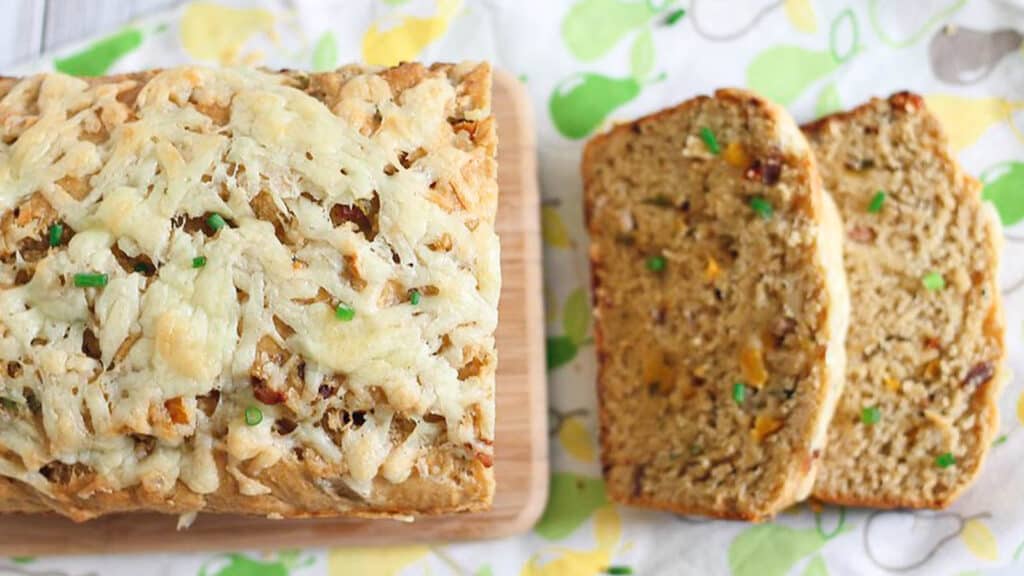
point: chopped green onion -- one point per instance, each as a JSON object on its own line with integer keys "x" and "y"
{"x": 710, "y": 141}
{"x": 199, "y": 261}
{"x": 216, "y": 221}
{"x": 675, "y": 16}
{"x": 618, "y": 570}
{"x": 1000, "y": 440}
{"x": 739, "y": 392}
{"x": 871, "y": 415}
{"x": 762, "y": 206}
{"x": 877, "y": 201}
{"x": 655, "y": 263}
{"x": 344, "y": 313}
{"x": 945, "y": 460}
{"x": 56, "y": 232}
{"x": 253, "y": 415}
{"x": 933, "y": 281}
{"x": 90, "y": 280}
{"x": 414, "y": 297}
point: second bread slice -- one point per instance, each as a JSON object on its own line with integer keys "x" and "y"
{"x": 720, "y": 307}
{"x": 926, "y": 350}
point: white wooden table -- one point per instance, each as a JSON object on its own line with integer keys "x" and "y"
{"x": 30, "y": 27}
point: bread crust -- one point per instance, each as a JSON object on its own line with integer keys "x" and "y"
{"x": 983, "y": 403}
{"x": 460, "y": 479}
{"x": 827, "y": 258}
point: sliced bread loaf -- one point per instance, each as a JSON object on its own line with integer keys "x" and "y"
{"x": 720, "y": 307}
{"x": 926, "y": 346}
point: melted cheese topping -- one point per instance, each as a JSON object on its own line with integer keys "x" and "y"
{"x": 90, "y": 371}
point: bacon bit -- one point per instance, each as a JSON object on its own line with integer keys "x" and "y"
{"x": 752, "y": 366}
{"x": 979, "y": 374}
{"x": 264, "y": 393}
{"x": 712, "y": 271}
{"x": 342, "y": 213}
{"x": 736, "y": 155}
{"x": 765, "y": 426}
{"x": 861, "y": 234}
{"x": 932, "y": 369}
{"x": 176, "y": 408}
{"x": 767, "y": 170}
{"x": 932, "y": 343}
{"x": 486, "y": 459}
{"x": 892, "y": 384}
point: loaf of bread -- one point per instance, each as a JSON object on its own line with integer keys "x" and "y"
{"x": 248, "y": 292}
{"x": 926, "y": 348}
{"x": 720, "y": 307}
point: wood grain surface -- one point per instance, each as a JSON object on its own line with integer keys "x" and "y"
{"x": 521, "y": 443}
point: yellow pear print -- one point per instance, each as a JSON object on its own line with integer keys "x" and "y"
{"x": 576, "y": 440}
{"x": 553, "y": 228}
{"x": 409, "y": 37}
{"x": 1020, "y": 409}
{"x": 966, "y": 119}
{"x": 801, "y": 15}
{"x": 376, "y": 561}
{"x": 979, "y": 540}
{"x": 213, "y": 32}
{"x": 569, "y": 562}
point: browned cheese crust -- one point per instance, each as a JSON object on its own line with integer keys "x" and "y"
{"x": 330, "y": 443}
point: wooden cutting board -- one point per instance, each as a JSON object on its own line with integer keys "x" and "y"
{"x": 521, "y": 463}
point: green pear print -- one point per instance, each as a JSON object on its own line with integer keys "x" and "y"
{"x": 572, "y": 499}
{"x": 593, "y": 27}
{"x": 575, "y": 322}
{"x": 783, "y": 73}
{"x": 581, "y": 102}
{"x": 242, "y": 565}
{"x": 772, "y": 549}
{"x": 99, "y": 56}
{"x": 1004, "y": 187}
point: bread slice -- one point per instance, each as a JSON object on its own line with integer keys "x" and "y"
{"x": 926, "y": 356}
{"x": 720, "y": 307}
{"x": 249, "y": 292}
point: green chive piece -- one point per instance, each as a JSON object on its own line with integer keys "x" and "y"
{"x": 945, "y": 460}
{"x": 710, "y": 141}
{"x": 675, "y": 16}
{"x": 216, "y": 221}
{"x": 655, "y": 263}
{"x": 344, "y": 313}
{"x": 414, "y": 297}
{"x": 199, "y": 261}
{"x": 253, "y": 415}
{"x": 933, "y": 281}
{"x": 1000, "y": 440}
{"x": 56, "y": 232}
{"x": 616, "y": 570}
{"x": 877, "y": 201}
{"x": 871, "y": 415}
{"x": 739, "y": 392}
{"x": 762, "y": 206}
{"x": 90, "y": 280}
